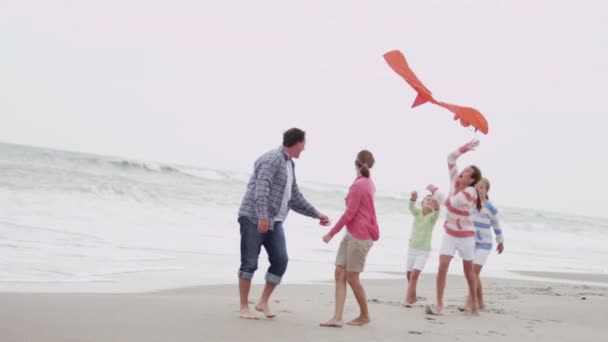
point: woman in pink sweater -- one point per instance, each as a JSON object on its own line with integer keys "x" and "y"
{"x": 362, "y": 230}
{"x": 459, "y": 229}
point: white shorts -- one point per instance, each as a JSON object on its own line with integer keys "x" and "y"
{"x": 416, "y": 259}
{"x": 465, "y": 246}
{"x": 481, "y": 255}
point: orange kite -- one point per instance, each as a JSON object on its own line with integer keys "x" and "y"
{"x": 468, "y": 116}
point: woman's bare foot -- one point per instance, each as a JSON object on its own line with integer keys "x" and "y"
{"x": 409, "y": 303}
{"x": 359, "y": 321}
{"x": 246, "y": 314}
{"x": 333, "y": 323}
{"x": 430, "y": 311}
{"x": 265, "y": 309}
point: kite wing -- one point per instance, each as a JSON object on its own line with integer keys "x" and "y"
{"x": 397, "y": 62}
{"x": 468, "y": 116}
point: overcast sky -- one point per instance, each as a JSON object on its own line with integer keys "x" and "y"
{"x": 215, "y": 83}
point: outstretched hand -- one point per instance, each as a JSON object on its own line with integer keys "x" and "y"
{"x": 324, "y": 220}
{"x": 327, "y": 238}
{"x": 470, "y": 146}
{"x": 413, "y": 195}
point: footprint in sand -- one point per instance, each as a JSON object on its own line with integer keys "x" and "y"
{"x": 493, "y": 332}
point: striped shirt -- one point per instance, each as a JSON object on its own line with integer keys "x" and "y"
{"x": 484, "y": 220}
{"x": 266, "y": 189}
{"x": 459, "y": 222}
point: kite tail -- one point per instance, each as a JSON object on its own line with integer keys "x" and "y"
{"x": 419, "y": 100}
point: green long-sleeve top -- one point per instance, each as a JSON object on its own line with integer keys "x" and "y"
{"x": 422, "y": 229}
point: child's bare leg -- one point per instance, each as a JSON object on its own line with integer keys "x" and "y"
{"x": 355, "y": 283}
{"x": 336, "y": 321}
{"x": 411, "y": 288}
{"x": 471, "y": 281}
{"x": 477, "y": 270}
{"x": 407, "y": 275}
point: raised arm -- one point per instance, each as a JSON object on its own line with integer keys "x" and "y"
{"x": 437, "y": 195}
{"x": 299, "y": 204}
{"x": 412, "y": 206}
{"x": 453, "y": 157}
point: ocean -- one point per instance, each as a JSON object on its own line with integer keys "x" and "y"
{"x": 77, "y": 222}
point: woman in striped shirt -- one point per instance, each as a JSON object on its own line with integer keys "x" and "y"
{"x": 459, "y": 228}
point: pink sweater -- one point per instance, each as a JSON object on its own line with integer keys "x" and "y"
{"x": 459, "y": 222}
{"x": 360, "y": 214}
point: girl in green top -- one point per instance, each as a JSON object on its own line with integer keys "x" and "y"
{"x": 420, "y": 241}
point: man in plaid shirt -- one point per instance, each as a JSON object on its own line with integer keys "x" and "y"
{"x": 271, "y": 192}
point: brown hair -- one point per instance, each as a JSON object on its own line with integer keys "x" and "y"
{"x": 365, "y": 161}
{"x": 476, "y": 175}
{"x": 485, "y": 180}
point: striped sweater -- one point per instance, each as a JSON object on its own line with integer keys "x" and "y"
{"x": 485, "y": 219}
{"x": 459, "y": 222}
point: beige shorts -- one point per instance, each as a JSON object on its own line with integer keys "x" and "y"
{"x": 352, "y": 253}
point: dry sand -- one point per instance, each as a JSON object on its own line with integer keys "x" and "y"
{"x": 516, "y": 311}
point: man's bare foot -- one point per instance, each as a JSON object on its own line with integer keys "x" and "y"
{"x": 332, "y": 323}
{"x": 430, "y": 311}
{"x": 264, "y": 308}
{"x": 246, "y": 314}
{"x": 359, "y": 321}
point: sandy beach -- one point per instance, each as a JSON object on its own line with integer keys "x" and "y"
{"x": 516, "y": 309}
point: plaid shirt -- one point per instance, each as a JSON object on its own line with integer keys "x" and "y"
{"x": 266, "y": 188}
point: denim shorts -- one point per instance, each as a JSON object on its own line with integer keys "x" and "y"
{"x": 251, "y": 245}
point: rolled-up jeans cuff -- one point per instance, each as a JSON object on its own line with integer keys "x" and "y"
{"x": 272, "y": 278}
{"x": 245, "y": 275}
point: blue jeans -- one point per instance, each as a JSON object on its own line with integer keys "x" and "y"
{"x": 251, "y": 245}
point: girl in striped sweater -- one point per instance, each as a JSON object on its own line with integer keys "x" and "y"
{"x": 483, "y": 220}
{"x": 459, "y": 229}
